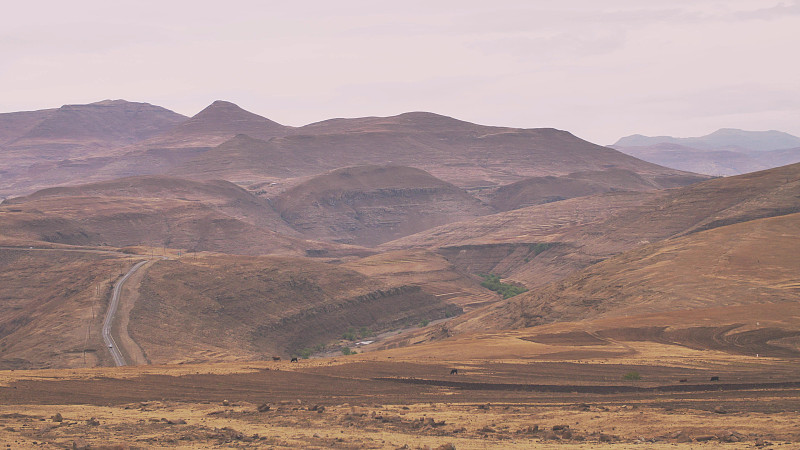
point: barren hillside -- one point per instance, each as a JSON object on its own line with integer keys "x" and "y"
{"x": 51, "y": 306}
{"x": 368, "y": 205}
{"x": 224, "y": 307}
{"x": 539, "y": 190}
{"x": 586, "y": 230}
{"x": 154, "y": 211}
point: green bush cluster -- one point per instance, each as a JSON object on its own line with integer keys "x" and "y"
{"x": 507, "y": 290}
{"x": 305, "y": 353}
{"x": 352, "y": 334}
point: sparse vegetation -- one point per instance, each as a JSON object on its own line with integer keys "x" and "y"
{"x": 632, "y": 376}
{"x": 352, "y": 334}
{"x": 424, "y": 323}
{"x": 305, "y": 353}
{"x": 507, "y": 290}
{"x": 347, "y": 351}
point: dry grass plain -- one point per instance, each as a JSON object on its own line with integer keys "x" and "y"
{"x": 510, "y": 392}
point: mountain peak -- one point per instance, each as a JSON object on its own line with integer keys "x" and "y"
{"x": 223, "y": 117}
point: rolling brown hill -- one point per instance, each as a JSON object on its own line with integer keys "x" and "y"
{"x": 210, "y": 146}
{"x": 51, "y": 305}
{"x": 75, "y": 131}
{"x": 368, "y": 205}
{"x": 69, "y": 144}
{"x": 225, "y": 307}
{"x": 14, "y": 125}
{"x": 462, "y": 153}
{"x": 733, "y": 288}
{"x": 214, "y": 125}
{"x": 157, "y": 212}
{"x": 219, "y": 194}
{"x": 539, "y": 190}
{"x": 431, "y": 272}
{"x": 583, "y": 231}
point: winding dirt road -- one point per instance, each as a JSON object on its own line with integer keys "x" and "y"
{"x": 113, "y": 348}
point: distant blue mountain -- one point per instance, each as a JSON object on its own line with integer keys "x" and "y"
{"x": 726, "y": 151}
{"x": 723, "y": 139}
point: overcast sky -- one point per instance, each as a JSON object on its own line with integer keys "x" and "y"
{"x": 599, "y": 69}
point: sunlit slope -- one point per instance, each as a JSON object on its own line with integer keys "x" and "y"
{"x": 52, "y": 304}
{"x": 234, "y": 307}
{"x": 744, "y": 265}
{"x": 585, "y": 230}
{"x": 154, "y": 211}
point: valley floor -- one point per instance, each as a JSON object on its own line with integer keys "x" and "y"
{"x": 388, "y": 400}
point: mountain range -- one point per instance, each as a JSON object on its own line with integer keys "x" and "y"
{"x": 724, "y": 152}
{"x": 263, "y": 239}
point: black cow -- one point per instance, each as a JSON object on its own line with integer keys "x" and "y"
{"x": 294, "y": 360}
{"x": 453, "y": 371}
{"x": 683, "y": 380}
{"x": 714, "y": 378}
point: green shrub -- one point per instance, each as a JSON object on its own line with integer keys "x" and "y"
{"x": 305, "y": 353}
{"x": 424, "y": 323}
{"x": 346, "y": 351}
{"x": 632, "y": 376}
{"x": 350, "y": 334}
{"x": 507, "y": 290}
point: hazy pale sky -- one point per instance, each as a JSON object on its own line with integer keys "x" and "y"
{"x": 599, "y": 69}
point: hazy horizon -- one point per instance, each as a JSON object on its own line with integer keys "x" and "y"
{"x": 602, "y": 72}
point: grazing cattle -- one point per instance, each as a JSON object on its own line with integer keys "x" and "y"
{"x": 683, "y": 380}
{"x": 294, "y": 360}
{"x": 276, "y": 358}
{"x": 453, "y": 371}
{"x": 714, "y": 378}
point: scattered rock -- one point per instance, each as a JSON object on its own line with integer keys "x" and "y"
{"x": 560, "y": 427}
{"x": 447, "y": 446}
{"x": 683, "y": 438}
{"x": 92, "y": 421}
{"x": 79, "y": 444}
{"x": 57, "y": 418}
{"x": 762, "y": 443}
{"x": 705, "y": 437}
{"x": 607, "y": 438}
{"x": 226, "y": 403}
{"x": 720, "y": 410}
{"x": 730, "y": 436}
{"x": 550, "y": 436}
{"x": 264, "y": 407}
